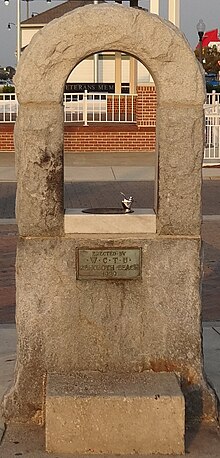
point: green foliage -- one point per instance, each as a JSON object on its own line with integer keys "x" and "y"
{"x": 6, "y": 72}
{"x": 7, "y": 89}
{"x": 210, "y": 59}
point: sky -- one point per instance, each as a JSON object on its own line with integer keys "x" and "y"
{"x": 191, "y": 12}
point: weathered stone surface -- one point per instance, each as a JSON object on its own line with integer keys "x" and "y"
{"x": 180, "y": 153}
{"x": 59, "y": 47}
{"x": 52, "y": 54}
{"x": 152, "y": 323}
{"x": 39, "y": 167}
{"x": 115, "y": 413}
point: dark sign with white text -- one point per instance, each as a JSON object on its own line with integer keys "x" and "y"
{"x": 95, "y": 87}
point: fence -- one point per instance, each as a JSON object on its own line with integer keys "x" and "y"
{"x": 212, "y": 129}
{"x": 212, "y": 137}
{"x": 8, "y": 107}
{"x": 82, "y": 107}
{"x": 120, "y": 108}
{"x": 213, "y": 98}
{"x": 94, "y": 107}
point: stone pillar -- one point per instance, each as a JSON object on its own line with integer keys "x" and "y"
{"x": 174, "y": 12}
{"x": 39, "y": 162}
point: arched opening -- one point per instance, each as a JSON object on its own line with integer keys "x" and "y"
{"x": 109, "y": 132}
{"x": 162, "y": 49}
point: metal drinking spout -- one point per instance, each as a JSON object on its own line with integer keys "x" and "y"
{"x": 127, "y": 203}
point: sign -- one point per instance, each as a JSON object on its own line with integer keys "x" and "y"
{"x": 95, "y": 87}
{"x": 90, "y": 87}
{"x": 108, "y": 264}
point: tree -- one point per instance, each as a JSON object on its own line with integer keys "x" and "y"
{"x": 6, "y": 72}
{"x": 210, "y": 58}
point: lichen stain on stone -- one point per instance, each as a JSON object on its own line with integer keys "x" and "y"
{"x": 54, "y": 170}
{"x": 45, "y": 157}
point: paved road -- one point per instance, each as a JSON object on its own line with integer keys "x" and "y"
{"x": 107, "y": 193}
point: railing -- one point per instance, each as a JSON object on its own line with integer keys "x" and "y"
{"x": 95, "y": 107}
{"x": 100, "y": 107}
{"x": 82, "y": 107}
{"x": 212, "y": 138}
{"x": 212, "y": 129}
{"x": 213, "y": 98}
{"x": 8, "y": 107}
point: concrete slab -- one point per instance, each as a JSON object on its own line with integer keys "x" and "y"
{"x": 140, "y": 221}
{"x": 210, "y": 172}
{"x": 6, "y": 221}
{"x": 125, "y": 173}
{"x": 128, "y": 159}
{"x": 211, "y": 218}
{"x": 29, "y": 442}
{"x": 88, "y": 174}
{"x": 7, "y": 362}
{"x": 211, "y": 342}
{"x": 115, "y": 413}
{"x": 7, "y": 159}
{"x": 102, "y": 167}
{"x": 7, "y": 174}
{"x": 109, "y": 173}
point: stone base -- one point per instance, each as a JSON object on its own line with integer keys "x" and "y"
{"x": 115, "y": 414}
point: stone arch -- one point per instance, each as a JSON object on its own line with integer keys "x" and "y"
{"x": 40, "y": 78}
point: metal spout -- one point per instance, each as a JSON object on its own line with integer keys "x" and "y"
{"x": 127, "y": 203}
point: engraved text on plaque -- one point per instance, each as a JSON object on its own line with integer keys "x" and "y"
{"x": 108, "y": 264}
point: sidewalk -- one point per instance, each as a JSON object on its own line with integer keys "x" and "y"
{"x": 102, "y": 167}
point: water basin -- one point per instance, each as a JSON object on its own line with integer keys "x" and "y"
{"x": 106, "y": 211}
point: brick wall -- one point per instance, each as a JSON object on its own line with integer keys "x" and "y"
{"x": 139, "y": 136}
{"x": 109, "y": 137}
{"x": 146, "y": 105}
{"x": 6, "y": 137}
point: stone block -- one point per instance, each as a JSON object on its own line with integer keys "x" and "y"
{"x": 115, "y": 413}
{"x": 148, "y": 323}
{"x": 140, "y": 221}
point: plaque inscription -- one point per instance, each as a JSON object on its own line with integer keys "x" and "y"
{"x": 108, "y": 264}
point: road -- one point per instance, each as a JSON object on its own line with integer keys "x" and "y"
{"x": 107, "y": 194}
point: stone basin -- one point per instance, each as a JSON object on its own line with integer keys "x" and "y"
{"x": 106, "y": 211}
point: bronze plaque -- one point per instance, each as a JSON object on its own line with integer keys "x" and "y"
{"x": 108, "y": 264}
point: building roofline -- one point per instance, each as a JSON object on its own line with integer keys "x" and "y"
{"x": 53, "y": 13}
